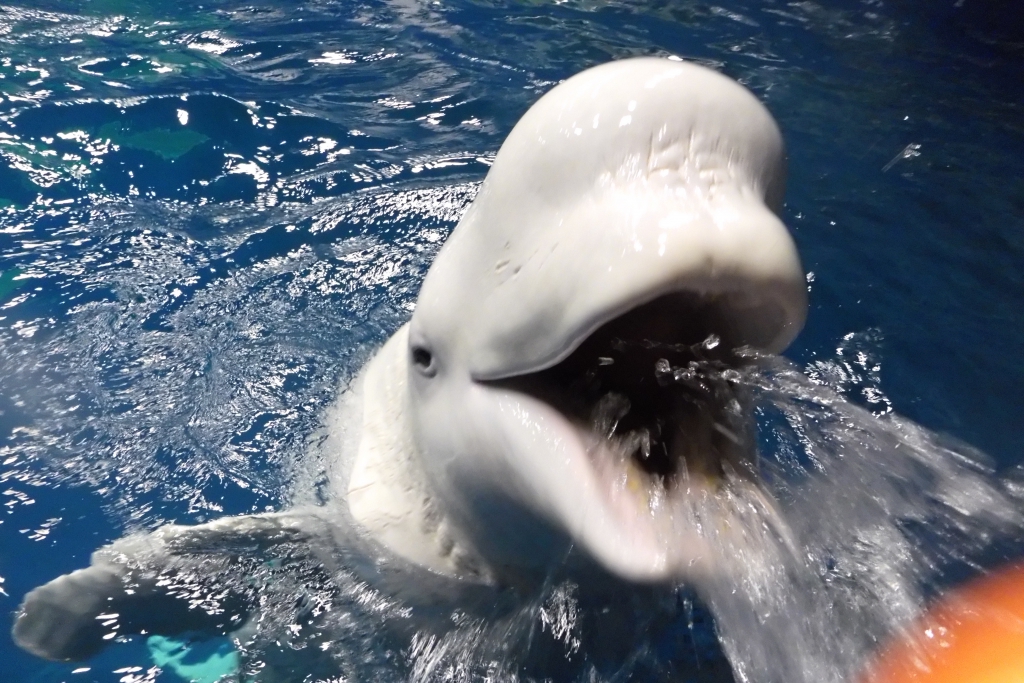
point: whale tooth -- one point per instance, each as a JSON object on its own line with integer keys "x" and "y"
{"x": 638, "y": 483}
{"x": 634, "y": 480}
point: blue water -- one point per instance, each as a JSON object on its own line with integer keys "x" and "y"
{"x": 209, "y": 214}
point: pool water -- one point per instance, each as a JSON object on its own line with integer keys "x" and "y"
{"x": 210, "y": 214}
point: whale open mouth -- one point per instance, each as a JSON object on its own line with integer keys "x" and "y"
{"x": 654, "y": 393}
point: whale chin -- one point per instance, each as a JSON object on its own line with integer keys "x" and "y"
{"x": 649, "y": 407}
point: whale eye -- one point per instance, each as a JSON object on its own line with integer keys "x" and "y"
{"x": 423, "y": 360}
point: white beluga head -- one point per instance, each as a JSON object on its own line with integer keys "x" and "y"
{"x": 629, "y": 218}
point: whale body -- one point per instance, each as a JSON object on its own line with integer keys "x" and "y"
{"x": 629, "y": 225}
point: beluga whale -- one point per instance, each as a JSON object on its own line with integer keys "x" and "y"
{"x": 520, "y": 423}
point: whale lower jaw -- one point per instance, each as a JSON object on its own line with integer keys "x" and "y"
{"x": 661, "y": 435}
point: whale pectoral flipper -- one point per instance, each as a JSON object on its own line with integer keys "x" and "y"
{"x": 61, "y": 620}
{"x": 146, "y": 584}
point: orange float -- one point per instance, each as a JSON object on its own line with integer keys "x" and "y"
{"x": 975, "y": 634}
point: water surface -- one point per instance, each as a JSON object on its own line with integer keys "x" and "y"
{"x": 210, "y": 214}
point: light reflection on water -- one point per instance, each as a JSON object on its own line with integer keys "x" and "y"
{"x": 177, "y": 348}
{"x": 209, "y": 218}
